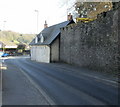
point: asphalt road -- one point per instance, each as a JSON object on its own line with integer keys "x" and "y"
{"x": 29, "y": 82}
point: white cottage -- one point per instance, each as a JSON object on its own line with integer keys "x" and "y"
{"x": 45, "y": 46}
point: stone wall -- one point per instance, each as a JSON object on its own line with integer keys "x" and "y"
{"x": 93, "y": 45}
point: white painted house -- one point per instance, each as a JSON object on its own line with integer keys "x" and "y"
{"x": 45, "y": 46}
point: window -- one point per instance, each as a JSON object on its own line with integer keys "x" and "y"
{"x": 41, "y": 38}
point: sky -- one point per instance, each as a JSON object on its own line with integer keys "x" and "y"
{"x": 20, "y": 15}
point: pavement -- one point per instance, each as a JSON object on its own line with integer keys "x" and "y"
{"x": 0, "y": 82}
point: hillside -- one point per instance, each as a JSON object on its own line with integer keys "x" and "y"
{"x": 16, "y": 37}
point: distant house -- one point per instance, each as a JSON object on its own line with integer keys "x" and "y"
{"x": 46, "y": 45}
{"x": 7, "y": 47}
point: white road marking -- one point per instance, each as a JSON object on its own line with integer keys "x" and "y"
{"x": 0, "y": 85}
{"x": 50, "y": 101}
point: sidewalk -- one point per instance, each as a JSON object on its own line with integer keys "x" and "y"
{"x": 0, "y": 82}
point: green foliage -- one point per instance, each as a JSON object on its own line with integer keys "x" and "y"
{"x": 91, "y": 9}
{"x": 16, "y": 37}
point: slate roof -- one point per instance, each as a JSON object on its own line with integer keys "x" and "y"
{"x": 50, "y": 33}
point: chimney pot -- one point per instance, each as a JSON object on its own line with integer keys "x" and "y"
{"x": 45, "y": 25}
{"x": 69, "y": 17}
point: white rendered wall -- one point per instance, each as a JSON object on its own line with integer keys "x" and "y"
{"x": 40, "y": 53}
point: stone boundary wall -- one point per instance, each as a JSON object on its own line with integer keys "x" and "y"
{"x": 93, "y": 45}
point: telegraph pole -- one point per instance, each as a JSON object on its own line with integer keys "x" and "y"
{"x": 37, "y": 18}
{"x": 4, "y": 22}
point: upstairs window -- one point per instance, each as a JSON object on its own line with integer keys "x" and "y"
{"x": 41, "y": 38}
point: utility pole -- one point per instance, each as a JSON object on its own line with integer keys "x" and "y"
{"x": 4, "y": 22}
{"x": 37, "y": 19}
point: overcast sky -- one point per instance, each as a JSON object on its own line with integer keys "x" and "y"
{"x": 20, "y": 15}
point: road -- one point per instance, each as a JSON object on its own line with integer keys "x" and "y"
{"x": 55, "y": 84}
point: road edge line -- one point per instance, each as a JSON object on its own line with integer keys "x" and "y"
{"x": 48, "y": 99}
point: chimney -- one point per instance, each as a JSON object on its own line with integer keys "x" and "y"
{"x": 45, "y": 25}
{"x": 69, "y": 17}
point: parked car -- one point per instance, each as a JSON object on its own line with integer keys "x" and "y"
{"x": 1, "y": 53}
{"x": 5, "y": 55}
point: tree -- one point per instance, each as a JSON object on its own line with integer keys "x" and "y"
{"x": 15, "y": 37}
{"x": 21, "y": 48}
{"x": 91, "y": 9}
